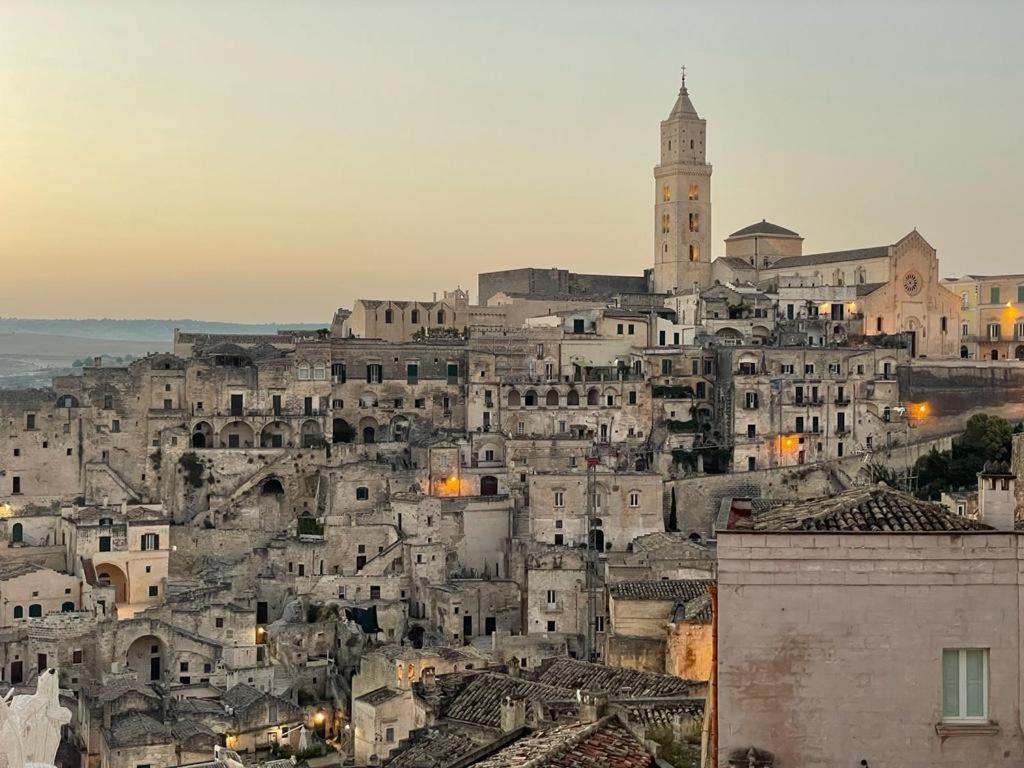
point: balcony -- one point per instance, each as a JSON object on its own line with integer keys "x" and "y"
{"x": 844, "y": 400}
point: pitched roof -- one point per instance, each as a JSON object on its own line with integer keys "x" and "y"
{"x": 764, "y": 227}
{"x": 604, "y": 744}
{"x": 856, "y": 254}
{"x": 136, "y": 729}
{"x": 14, "y": 570}
{"x": 379, "y": 696}
{"x": 434, "y": 747}
{"x": 683, "y": 106}
{"x": 664, "y": 589}
{"x": 480, "y": 701}
{"x": 241, "y": 697}
{"x": 875, "y": 508}
{"x": 617, "y": 682}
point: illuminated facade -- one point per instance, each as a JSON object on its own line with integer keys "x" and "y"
{"x": 991, "y": 316}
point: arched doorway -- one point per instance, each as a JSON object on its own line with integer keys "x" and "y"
{"x": 964, "y": 353}
{"x": 369, "y": 434}
{"x": 271, "y": 487}
{"x": 597, "y": 538}
{"x": 145, "y": 657}
{"x": 311, "y": 434}
{"x": 202, "y": 435}
{"x": 342, "y": 431}
{"x": 1019, "y": 353}
{"x": 592, "y": 396}
{"x": 276, "y": 434}
{"x": 17, "y": 533}
{"x": 488, "y": 485}
{"x": 67, "y": 607}
{"x": 237, "y": 434}
{"x": 109, "y": 575}
{"x": 994, "y": 354}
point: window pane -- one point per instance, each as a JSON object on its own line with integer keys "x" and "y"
{"x": 975, "y": 683}
{"x": 950, "y": 683}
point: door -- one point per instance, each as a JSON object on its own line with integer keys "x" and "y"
{"x": 154, "y": 669}
{"x": 41, "y": 662}
{"x": 261, "y": 612}
{"x": 17, "y": 676}
{"x": 236, "y": 405}
{"x": 467, "y": 627}
{"x": 490, "y": 625}
{"x": 277, "y": 405}
{"x": 488, "y": 485}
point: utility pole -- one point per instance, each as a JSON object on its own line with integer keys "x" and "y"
{"x": 590, "y": 566}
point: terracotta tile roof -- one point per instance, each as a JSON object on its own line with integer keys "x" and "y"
{"x": 663, "y": 589}
{"x": 604, "y": 744}
{"x": 617, "y": 682}
{"x": 876, "y": 508}
{"x": 136, "y": 729}
{"x": 648, "y": 713}
{"x": 480, "y": 701}
{"x": 434, "y": 747}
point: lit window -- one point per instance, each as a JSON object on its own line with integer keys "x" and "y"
{"x": 694, "y": 192}
{"x": 695, "y": 222}
{"x": 666, "y": 193}
{"x": 694, "y": 252}
{"x": 965, "y": 684}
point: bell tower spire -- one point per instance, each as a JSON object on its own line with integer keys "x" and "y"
{"x": 682, "y": 203}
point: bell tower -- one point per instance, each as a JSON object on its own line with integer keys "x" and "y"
{"x": 682, "y": 202}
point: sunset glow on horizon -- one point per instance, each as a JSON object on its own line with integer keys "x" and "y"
{"x": 271, "y": 162}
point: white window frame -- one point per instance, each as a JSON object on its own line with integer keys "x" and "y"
{"x": 559, "y": 498}
{"x": 634, "y": 499}
{"x": 961, "y": 717}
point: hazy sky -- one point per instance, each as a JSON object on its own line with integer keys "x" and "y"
{"x": 248, "y": 161}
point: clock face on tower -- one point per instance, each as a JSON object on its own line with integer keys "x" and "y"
{"x": 912, "y": 283}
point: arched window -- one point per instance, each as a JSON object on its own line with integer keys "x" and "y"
{"x": 17, "y": 533}
{"x": 68, "y": 607}
{"x": 552, "y": 398}
{"x": 694, "y": 252}
{"x": 440, "y": 317}
{"x": 320, "y": 372}
{"x": 304, "y": 372}
{"x": 592, "y": 397}
{"x": 35, "y": 611}
{"x": 19, "y": 612}
{"x": 634, "y": 499}
{"x": 389, "y": 316}
{"x": 513, "y": 398}
{"x": 573, "y": 398}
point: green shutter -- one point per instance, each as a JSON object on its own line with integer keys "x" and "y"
{"x": 950, "y": 683}
{"x": 975, "y": 683}
{"x": 1020, "y": 294}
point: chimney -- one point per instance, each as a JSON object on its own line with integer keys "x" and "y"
{"x": 97, "y": 361}
{"x": 592, "y": 707}
{"x": 106, "y": 502}
{"x": 997, "y": 504}
{"x": 513, "y": 714}
{"x": 428, "y": 679}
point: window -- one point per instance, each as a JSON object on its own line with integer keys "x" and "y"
{"x": 374, "y": 373}
{"x": 631, "y": 397}
{"x": 35, "y": 611}
{"x": 362, "y": 493}
{"x": 694, "y": 252}
{"x": 19, "y": 612}
{"x": 154, "y": 590}
{"x": 551, "y": 597}
{"x": 320, "y": 372}
{"x": 666, "y": 194}
{"x": 150, "y": 541}
{"x": 965, "y": 684}
{"x": 665, "y": 224}
{"x": 993, "y": 331}
{"x": 304, "y": 372}
{"x": 994, "y": 294}
{"x": 695, "y": 222}
{"x": 76, "y": 656}
{"x": 440, "y": 317}
{"x": 787, "y": 368}
{"x": 412, "y": 373}
{"x": 104, "y": 543}
{"x": 389, "y": 735}
{"x": 115, "y": 425}
{"x": 752, "y": 400}
{"x": 168, "y": 405}
{"x": 619, "y": 329}
{"x": 551, "y": 626}
{"x": 108, "y": 402}
{"x": 694, "y": 193}
{"x": 219, "y": 622}
{"x": 559, "y": 539}
{"x": 943, "y": 324}
{"x": 375, "y": 593}
{"x": 751, "y": 463}
{"x": 559, "y": 499}
{"x": 634, "y": 499}
{"x": 389, "y": 316}
{"x": 631, "y": 329}
{"x": 751, "y": 430}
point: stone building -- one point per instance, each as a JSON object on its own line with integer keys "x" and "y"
{"x": 808, "y": 593}
{"x": 991, "y": 316}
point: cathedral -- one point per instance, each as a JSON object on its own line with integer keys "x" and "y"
{"x": 893, "y": 287}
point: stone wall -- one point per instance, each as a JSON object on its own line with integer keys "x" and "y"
{"x": 554, "y": 283}
{"x": 830, "y": 646}
{"x": 955, "y": 390}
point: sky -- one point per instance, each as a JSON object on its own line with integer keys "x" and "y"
{"x": 250, "y": 161}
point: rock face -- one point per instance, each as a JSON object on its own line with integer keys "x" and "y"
{"x": 30, "y": 725}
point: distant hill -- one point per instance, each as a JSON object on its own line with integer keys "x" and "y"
{"x": 161, "y": 331}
